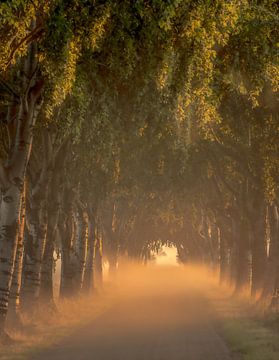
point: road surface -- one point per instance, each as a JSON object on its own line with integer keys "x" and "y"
{"x": 172, "y": 321}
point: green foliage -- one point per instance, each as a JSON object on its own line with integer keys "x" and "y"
{"x": 171, "y": 106}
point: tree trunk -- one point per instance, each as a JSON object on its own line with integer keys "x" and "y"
{"x": 112, "y": 260}
{"x": 68, "y": 256}
{"x": 243, "y": 256}
{"x": 81, "y": 243}
{"x": 10, "y": 208}
{"x": 47, "y": 295}
{"x": 233, "y": 261}
{"x": 89, "y": 266}
{"x": 34, "y": 257}
{"x": 214, "y": 244}
{"x": 52, "y": 168}
{"x": 98, "y": 261}
{"x": 14, "y": 301}
{"x": 12, "y": 179}
{"x": 68, "y": 268}
{"x": 272, "y": 279}
{"x": 259, "y": 252}
{"x": 224, "y": 256}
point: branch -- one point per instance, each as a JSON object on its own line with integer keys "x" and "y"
{"x": 219, "y": 173}
{"x": 33, "y": 35}
{"x": 36, "y": 90}
{"x": 215, "y": 184}
{"x": 46, "y": 169}
{"x": 61, "y": 153}
{"x": 48, "y": 147}
{"x": 9, "y": 89}
{"x": 239, "y": 159}
{"x": 33, "y": 109}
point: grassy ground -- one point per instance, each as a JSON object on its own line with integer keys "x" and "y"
{"x": 249, "y": 332}
{"x": 251, "y": 340}
{"x": 46, "y": 329}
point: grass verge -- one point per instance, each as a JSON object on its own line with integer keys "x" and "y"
{"x": 245, "y": 328}
{"x": 46, "y": 329}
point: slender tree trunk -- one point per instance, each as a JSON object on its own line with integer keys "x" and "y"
{"x": 233, "y": 260}
{"x": 89, "y": 266}
{"x": 68, "y": 268}
{"x": 81, "y": 244}
{"x": 224, "y": 256}
{"x": 34, "y": 257}
{"x": 182, "y": 253}
{"x": 12, "y": 180}
{"x": 47, "y": 295}
{"x": 259, "y": 252}
{"x": 214, "y": 244}
{"x": 109, "y": 227}
{"x": 9, "y": 225}
{"x": 112, "y": 259}
{"x": 243, "y": 253}
{"x": 52, "y": 168}
{"x": 98, "y": 260}
{"x": 272, "y": 283}
{"x": 272, "y": 259}
{"x": 68, "y": 256}
{"x": 14, "y": 301}
{"x": 111, "y": 251}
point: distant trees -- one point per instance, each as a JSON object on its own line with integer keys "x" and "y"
{"x": 125, "y": 126}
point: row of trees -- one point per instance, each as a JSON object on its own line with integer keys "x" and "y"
{"x": 128, "y": 125}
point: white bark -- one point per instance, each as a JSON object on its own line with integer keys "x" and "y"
{"x": 14, "y": 301}
{"x": 12, "y": 188}
{"x": 34, "y": 258}
{"x": 69, "y": 256}
{"x": 81, "y": 244}
{"x": 98, "y": 259}
{"x": 89, "y": 265}
{"x": 9, "y": 225}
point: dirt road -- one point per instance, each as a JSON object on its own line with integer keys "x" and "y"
{"x": 169, "y": 321}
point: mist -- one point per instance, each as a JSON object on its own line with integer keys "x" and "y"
{"x": 139, "y": 168}
{"x": 144, "y": 312}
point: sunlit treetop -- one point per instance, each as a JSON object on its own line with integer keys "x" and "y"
{"x": 216, "y": 46}
{"x": 22, "y": 22}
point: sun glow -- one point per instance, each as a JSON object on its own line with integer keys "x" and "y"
{"x": 168, "y": 256}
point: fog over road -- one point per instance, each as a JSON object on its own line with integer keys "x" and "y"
{"x": 159, "y": 314}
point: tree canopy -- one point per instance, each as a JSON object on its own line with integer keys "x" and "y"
{"x": 136, "y": 124}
